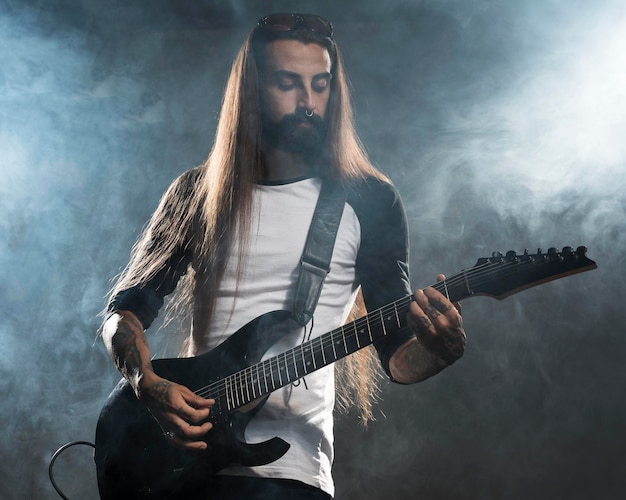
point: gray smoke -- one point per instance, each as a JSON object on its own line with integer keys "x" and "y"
{"x": 502, "y": 125}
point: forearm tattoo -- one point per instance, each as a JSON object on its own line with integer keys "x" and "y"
{"x": 420, "y": 364}
{"x": 124, "y": 342}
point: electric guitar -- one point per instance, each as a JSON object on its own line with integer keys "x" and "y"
{"x": 133, "y": 458}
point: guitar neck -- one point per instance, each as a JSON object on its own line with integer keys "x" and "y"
{"x": 499, "y": 277}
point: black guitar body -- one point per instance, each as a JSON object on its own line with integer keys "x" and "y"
{"x": 132, "y": 455}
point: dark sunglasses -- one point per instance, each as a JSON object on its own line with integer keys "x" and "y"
{"x": 291, "y": 22}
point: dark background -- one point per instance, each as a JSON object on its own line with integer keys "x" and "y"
{"x": 502, "y": 124}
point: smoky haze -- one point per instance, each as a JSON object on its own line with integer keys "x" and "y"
{"x": 501, "y": 123}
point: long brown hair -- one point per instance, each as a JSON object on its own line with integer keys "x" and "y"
{"x": 202, "y": 211}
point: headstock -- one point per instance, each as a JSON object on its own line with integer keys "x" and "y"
{"x": 500, "y": 276}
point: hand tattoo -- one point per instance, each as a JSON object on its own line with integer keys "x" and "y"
{"x": 159, "y": 392}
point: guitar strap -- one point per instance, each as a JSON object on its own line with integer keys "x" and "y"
{"x": 318, "y": 249}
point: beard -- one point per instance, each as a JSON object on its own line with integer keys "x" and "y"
{"x": 290, "y": 135}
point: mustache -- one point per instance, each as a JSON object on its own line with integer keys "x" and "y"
{"x": 301, "y": 117}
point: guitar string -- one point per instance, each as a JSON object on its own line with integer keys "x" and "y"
{"x": 242, "y": 379}
{"x": 248, "y": 379}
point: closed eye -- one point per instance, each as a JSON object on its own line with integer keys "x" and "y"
{"x": 321, "y": 83}
{"x": 286, "y": 86}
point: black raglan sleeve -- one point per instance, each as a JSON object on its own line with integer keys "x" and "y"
{"x": 383, "y": 260}
{"x": 146, "y": 299}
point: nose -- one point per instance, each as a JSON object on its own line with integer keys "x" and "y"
{"x": 306, "y": 99}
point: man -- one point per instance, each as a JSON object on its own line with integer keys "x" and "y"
{"x": 229, "y": 235}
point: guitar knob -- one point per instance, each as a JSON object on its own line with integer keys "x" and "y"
{"x": 496, "y": 256}
{"x": 528, "y": 257}
{"x": 511, "y": 256}
{"x": 553, "y": 254}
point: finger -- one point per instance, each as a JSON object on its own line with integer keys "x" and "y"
{"x": 194, "y": 407}
{"x": 432, "y": 316}
{"x": 178, "y": 413}
{"x": 186, "y": 431}
{"x": 443, "y": 306}
{"x": 180, "y": 442}
{"x": 419, "y": 318}
{"x": 457, "y": 305}
{"x": 182, "y": 434}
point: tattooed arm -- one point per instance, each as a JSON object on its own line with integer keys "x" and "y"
{"x": 439, "y": 338}
{"x": 178, "y": 410}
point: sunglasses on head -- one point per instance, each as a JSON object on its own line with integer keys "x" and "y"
{"x": 290, "y": 22}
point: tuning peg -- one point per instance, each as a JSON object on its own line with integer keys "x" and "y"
{"x": 511, "y": 256}
{"x": 553, "y": 254}
{"x": 496, "y": 255}
{"x": 568, "y": 252}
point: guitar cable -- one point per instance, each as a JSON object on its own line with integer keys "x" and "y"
{"x": 56, "y": 455}
{"x": 305, "y": 338}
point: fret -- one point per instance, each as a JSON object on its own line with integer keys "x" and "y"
{"x": 364, "y": 337}
{"x": 286, "y": 364}
{"x": 353, "y": 340}
{"x": 270, "y": 367}
{"x": 247, "y": 387}
{"x": 323, "y": 350}
{"x": 467, "y": 284}
{"x": 299, "y": 359}
{"x": 332, "y": 343}
{"x": 356, "y": 334}
{"x": 295, "y": 366}
{"x": 308, "y": 358}
{"x": 328, "y": 348}
{"x": 369, "y": 330}
{"x": 233, "y": 391}
{"x": 253, "y": 381}
{"x": 258, "y": 379}
{"x": 311, "y": 361}
{"x": 285, "y": 367}
{"x": 228, "y": 395}
{"x": 304, "y": 363}
{"x": 382, "y": 323}
{"x": 318, "y": 357}
{"x": 277, "y": 369}
{"x": 233, "y": 388}
{"x": 272, "y": 373}
{"x": 395, "y": 309}
{"x": 265, "y": 377}
{"x": 240, "y": 389}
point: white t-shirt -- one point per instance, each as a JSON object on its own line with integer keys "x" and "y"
{"x": 300, "y": 413}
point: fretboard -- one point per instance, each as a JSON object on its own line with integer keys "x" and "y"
{"x": 498, "y": 276}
